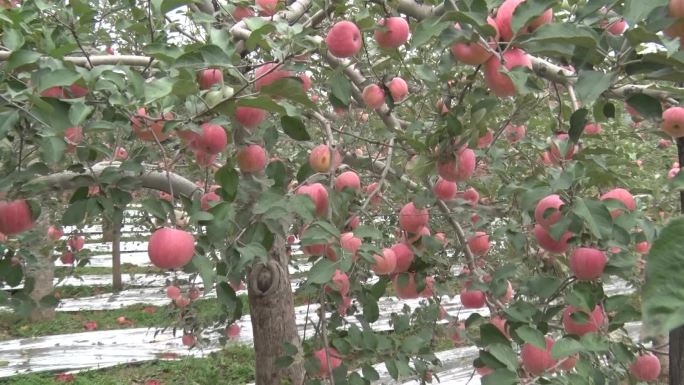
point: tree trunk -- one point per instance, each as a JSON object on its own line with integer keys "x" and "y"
{"x": 273, "y": 319}
{"x": 677, "y": 335}
{"x": 41, "y": 273}
{"x": 116, "y": 256}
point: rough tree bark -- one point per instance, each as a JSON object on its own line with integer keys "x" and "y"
{"x": 273, "y": 320}
{"x": 115, "y": 228}
{"x": 677, "y": 335}
{"x": 41, "y": 273}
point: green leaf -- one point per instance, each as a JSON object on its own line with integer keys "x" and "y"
{"x": 294, "y": 128}
{"x": 53, "y": 149}
{"x": 577, "y": 122}
{"x": 13, "y": 39}
{"x": 565, "y": 347}
{"x": 596, "y": 216}
{"x": 289, "y": 88}
{"x": 7, "y": 121}
{"x": 412, "y": 344}
{"x": 527, "y": 11}
{"x": 46, "y": 78}
{"x": 532, "y": 336}
{"x": 155, "y": 207}
{"x": 591, "y": 84}
{"x": 427, "y": 29}
{"x": 505, "y": 355}
{"x": 500, "y": 377}
{"x": 22, "y": 57}
{"x": 206, "y": 270}
{"x": 79, "y": 112}
{"x": 228, "y": 179}
{"x": 322, "y": 271}
{"x": 647, "y": 106}
{"x": 637, "y": 10}
{"x": 158, "y": 89}
{"x": 341, "y": 88}
{"x": 75, "y": 213}
{"x": 662, "y": 300}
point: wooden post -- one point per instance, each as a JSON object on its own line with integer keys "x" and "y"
{"x": 676, "y": 350}
{"x": 116, "y": 255}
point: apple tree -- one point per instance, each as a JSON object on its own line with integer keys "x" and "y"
{"x": 512, "y": 154}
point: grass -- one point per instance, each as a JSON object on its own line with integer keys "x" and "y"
{"x": 233, "y": 365}
{"x": 12, "y": 326}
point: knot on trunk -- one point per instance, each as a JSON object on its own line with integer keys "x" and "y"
{"x": 265, "y": 278}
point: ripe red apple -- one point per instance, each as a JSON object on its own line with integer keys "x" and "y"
{"x": 646, "y": 367}
{"x": 500, "y": 323}
{"x": 213, "y": 139}
{"x": 377, "y": 198}
{"x": 319, "y": 159}
{"x": 457, "y": 332}
{"x": 479, "y": 243}
{"x": 514, "y": 133}
{"x": 593, "y": 129}
{"x": 269, "y": 73}
{"x": 504, "y": 17}
{"x": 348, "y": 179}
{"x": 181, "y": 301}
{"x": 240, "y": 13}
{"x": 147, "y": 128}
{"x": 233, "y": 331}
{"x": 412, "y": 219}
{"x": 499, "y": 82}
{"x": 53, "y": 92}
{"x": 75, "y": 91}
{"x": 249, "y": 117}
{"x": 595, "y": 320}
{"x": 73, "y": 135}
{"x": 472, "y": 299}
{"x": 188, "y": 340}
{"x": 173, "y": 292}
{"x": 344, "y": 39}
{"x": 373, "y": 96}
{"x": 568, "y": 363}
{"x": 642, "y": 247}
{"x": 15, "y": 217}
{"x": 203, "y": 159}
{"x": 410, "y": 290}
{"x": 548, "y": 243}
{"x": 209, "y": 77}
{"x": 385, "y": 263}
{"x": 471, "y": 196}
{"x": 398, "y": 89}
{"x": 340, "y": 282}
{"x": 664, "y": 143}
{"x": 120, "y": 153}
{"x": 332, "y": 357}
{"x": 475, "y": 53}
{"x": 318, "y": 194}
{"x": 673, "y": 122}
{"x": 458, "y": 171}
{"x": 350, "y": 243}
{"x": 548, "y": 210}
{"x": 623, "y": 196}
{"x": 353, "y": 222}
{"x": 54, "y": 233}
{"x": 392, "y": 32}
{"x": 267, "y": 7}
{"x": 445, "y": 190}
{"x": 171, "y": 248}
{"x": 67, "y": 258}
{"x": 76, "y": 243}
{"x": 252, "y": 158}
{"x": 535, "y": 360}
{"x": 485, "y": 140}
{"x": 206, "y": 199}
{"x": 404, "y": 257}
{"x": 588, "y": 263}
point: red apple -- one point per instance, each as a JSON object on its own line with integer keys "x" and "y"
{"x": 472, "y": 299}
{"x": 348, "y": 179}
{"x": 642, "y": 247}
{"x": 240, "y": 13}
{"x": 673, "y": 122}
{"x": 120, "y": 153}
{"x": 561, "y": 140}
{"x": 181, "y": 301}
{"x": 320, "y": 157}
{"x": 479, "y": 243}
{"x": 318, "y": 194}
{"x": 212, "y": 140}
{"x": 588, "y": 263}
{"x": 341, "y": 282}
{"x": 53, "y": 92}
{"x": 173, "y": 292}
{"x": 15, "y": 217}
{"x": 460, "y": 170}
{"x": 568, "y": 363}
{"x": 398, "y": 89}
{"x": 445, "y": 190}
{"x": 269, "y": 73}
{"x": 75, "y": 91}
{"x": 404, "y": 257}
{"x": 457, "y": 332}
{"x": 203, "y": 159}
{"x": 73, "y": 135}
{"x": 501, "y": 324}
{"x": 471, "y": 196}
{"x": 475, "y": 52}
{"x": 149, "y": 129}
{"x": 267, "y": 7}
{"x": 249, "y": 117}
{"x": 410, "y": 290}
{"x": 233, "y": 331}
{"x": 76, "y": 243}
{"x": 499, "y": 82}
{"x": 54, "y": 233}
{"x": 514, "y": 133}
{"x": 332, "y": 357}
{"x": 595, "y": 320}
{"x": 377, "y": 198}
{"x": 535, "y": 360}
{"x": 385, "y": 263}
{"x": 188, "y": 340}
{"x": 593, "y": 129}
{"x": 344, "y": 39}
{"x": 504, "y": 17}
{"x": 209, "y": 77}
{"x": 412, "y": 219}
{"x": 548, "y": 210}
{"x": 206, "y": 199}
{"x": 373, "y": 96}
{"x": 171, "y": 248}
{"x": 646, "y": 367}
{"x": 485, "y": 140}
{"x": 548, "y": 243}
{"x": 623, "y": 196}
{"x": 67, "y": 258}
{"x": 252, "y": 158}
{"x": 392, "y": 32}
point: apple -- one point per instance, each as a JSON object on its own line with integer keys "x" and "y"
{"x": 409, "y": 290}
{"x": 561, "y": 140}
{"x": 514, "y": 133}
{"x": 472, "y": 299}
{"x": 642, "y": 247}
{"x": 444, "y": 189}
{"x": 392, "y": 32}
{"x": 249, "y": 117}
{"x": 233, "y": 331}
{"x": 475, "y": 53}
{"x": 350, "y": 243}
{"x": 269, "y": 73}
{"x": 318, "y": 194}
{"x": 207, "y": 198}
{"x": 453, "y": 170}
{"x": 385, "y": 263}
{"x": 499, "y": 82}
{"x": 588, "y": 263}
{"x": 54, "y": 233}
{"x": 500, "y": 323}
{"x": 398, "y": 89}
{"x": 181, "y": 301}
{"x": 594, "y": 322}
{"x": 484, "y": 371}
{"x": 479, "y": 244}
{"x": 404, "y": 257}
{"x": 471, "y": 196}
{"x": 170, "y": 248}
{"x": 344, "y": 39}
{"x": 73, "y": 136}
{"x": 676, "y": 8}
{"x": 673, "y": 122}
{"x": 623, "y": 196}
{"x": 328, "y": 356}
{"x": 412, "y": 219}
{"x": 340, "y": 282}
{"x": 536, "y": 360}
{"x": 15, "y": 217}
{"x": 664, "y": 143}
{"x": 504, "y": 18}
{"x": 616, "y": 27}
{"x": 188, "y": 340}
{"x": 267, "y": 7}
{"x": 457, "y": 332}
{"x": 67, "y": 258}
{"x": 149, "y": 129}
{"x": 373, "y": 96}
{"x": 173, "y": 292}
{"x": 90, "y": 325}
{"x": 203, "y": 159}
{"x": 547, "y": 242}
{"x": 353, "y": 222}
{"x": 348, "y": 180}
{"x": 545, "y": 159}
{"x": 593, "y": 129}
{"x": 240, "y": 13}
{"x": 548, "y": 210}
{"x": 377, "y": 198}
{"x": 485, "y": 140}
{"x": 120, "y": 153}
{"x": 646, "y": 367}
{"x": 568, "y": 363}
{"x": 76, "y": 91}
{"x": 252, "y": 158}
{"x": 53, "y": 92}
{"x": 76, "y": 243}
{"x": 320, "y": 156}
{"x": 212, "y": 140}
{"x": 209, "y": 77}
